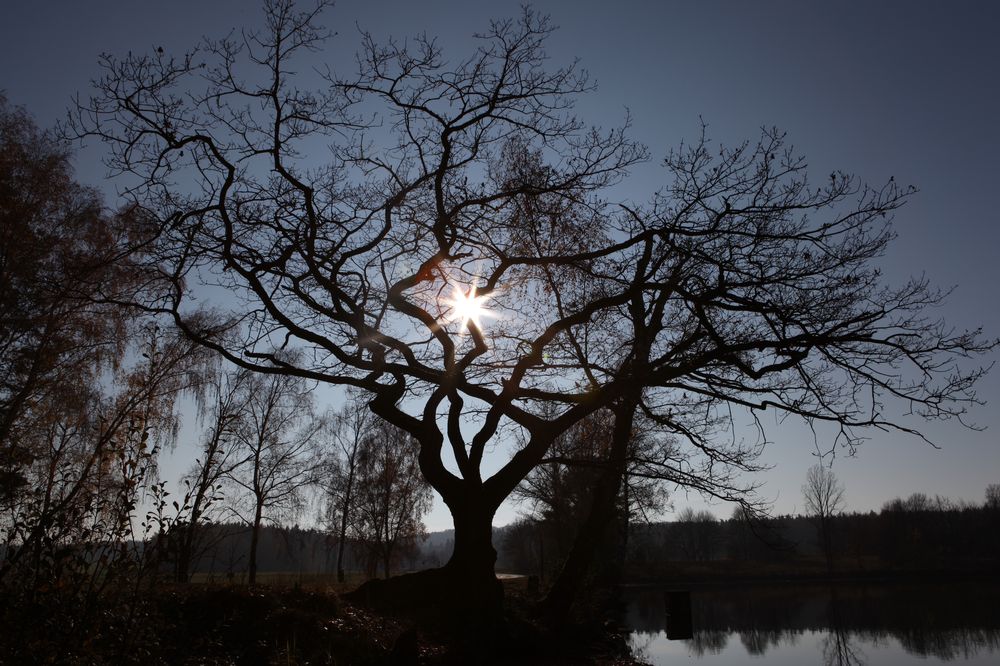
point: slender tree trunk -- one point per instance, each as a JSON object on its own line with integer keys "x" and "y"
{"x": 205, "y": 479}
{"x": 343, "y": 534}
{"x": 188, "y": 537}
{"x": 340, "y": 557}
{"x": 254, "y": 538}
{"x": 386, "y": 545}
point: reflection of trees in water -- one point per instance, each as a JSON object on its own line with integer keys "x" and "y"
{"x": 646, "y": 612}
{"x": 711, "y": 641}
{"x": 839, "y": 649}
{"x": 760, "y": 622}
{"x": 951, "y": 644}
{"x": 839, "y": 646}
{"x": 759, "y": 641}
{"x": 948, "y": 622}
{"x": 638, "y": 645}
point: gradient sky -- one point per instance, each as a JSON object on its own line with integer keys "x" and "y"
{"x": 902, "y": 89}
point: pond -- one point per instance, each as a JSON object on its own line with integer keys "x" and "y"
{"x": 889, "y": 625}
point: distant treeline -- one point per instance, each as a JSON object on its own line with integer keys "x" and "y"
{"x": 916, "y": 533}
{"x": 291, "y": 550}
{"x": 919, "y": 533}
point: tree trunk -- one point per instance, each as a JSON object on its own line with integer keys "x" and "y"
{"x": 343, "y": 539}
{"x": 466, "y": 589}
{"x": 473, "y": 581}
{"x": 340, "y": 559}
{"x": 188, "y": 537}
{"x": 254, "y": 538}
{"x": 570, "y": 580}
{"x": 592, "y": 533}
{"x": 184, "y": 557}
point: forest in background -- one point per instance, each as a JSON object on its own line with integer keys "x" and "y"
{"x": 909, "y": 537}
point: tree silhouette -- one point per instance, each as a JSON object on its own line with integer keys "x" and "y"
{"x": 275, "y": 447}
{"x": 96, "y": 464}
{"x": 993, "y": 496}
{"x": 697, "y": 534}
{"x": 392, "y": 495}
{"x": 739, "y": 287}
{"x": 224, "y": 405}
{"x": 57, "y": 253}
{"x": 824, "y": 497}
{"x": 339, "y": 475}
{"x": 87, "y": 389}
{"x": 559, "y": 492}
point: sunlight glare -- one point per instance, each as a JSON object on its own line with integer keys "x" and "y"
{"x": 467, "y": 307}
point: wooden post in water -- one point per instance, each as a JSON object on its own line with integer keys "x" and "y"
{"x": 679, "y": 625}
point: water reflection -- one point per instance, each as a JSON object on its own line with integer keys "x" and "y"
{"x": 709, "y": 641}
{"x": 839, "y": 648}
{"x": 841, "y": 626}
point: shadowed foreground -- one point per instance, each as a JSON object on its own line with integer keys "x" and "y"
{"x": 199, "y": 624}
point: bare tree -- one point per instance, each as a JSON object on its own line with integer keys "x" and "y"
{"x": 993, "y": 496}
{"x": 225, "y": 403}
{"x": 739, "y": 287}
{"x": 824, "y": 497}
{"x": 274, "y": 445}
{"x": 392, "y": 495}
{"x": 339, "y": 475}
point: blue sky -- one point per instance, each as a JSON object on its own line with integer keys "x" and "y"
{"x": 902, "y": 89}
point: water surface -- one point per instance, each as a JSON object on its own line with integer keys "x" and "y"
{"x": 892, "y": 625}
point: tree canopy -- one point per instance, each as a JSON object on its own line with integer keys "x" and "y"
{"x": 740, "y": 286}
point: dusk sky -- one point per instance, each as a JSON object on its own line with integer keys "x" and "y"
{"x": 891, "y": 89}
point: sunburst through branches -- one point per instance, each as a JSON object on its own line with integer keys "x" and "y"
{"x": 467, "y": 307}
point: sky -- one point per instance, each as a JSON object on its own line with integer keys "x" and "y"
{"x": 889, "y": 89}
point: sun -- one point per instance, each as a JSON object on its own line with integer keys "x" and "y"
{"x": 467, "y": 307}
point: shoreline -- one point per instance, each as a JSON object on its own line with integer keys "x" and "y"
{"x": 921, "y": 577}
